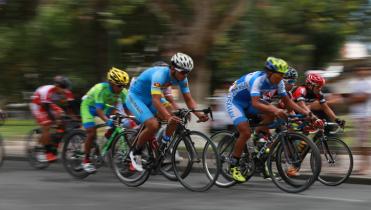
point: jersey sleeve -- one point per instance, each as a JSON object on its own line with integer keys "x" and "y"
{"x": 281, "y": 90}
{"x": 255, "y": 86}
{"x": 157, "y": 81}
{"x": 46, "y": 98}
{"x": 183, "y": 85}
{"x": 69, "y": 95}
{"x": 321, "y": 98}
{"x": 299, "y": 94}
{"x": 98, "y": 97}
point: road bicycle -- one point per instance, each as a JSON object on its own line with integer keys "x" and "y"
{"x": 197, "y": 154}
{"x": 57, "y": 134}
{"x": 278, "y": 154}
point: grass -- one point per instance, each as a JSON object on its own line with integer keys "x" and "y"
{"x": 16, "y": 129}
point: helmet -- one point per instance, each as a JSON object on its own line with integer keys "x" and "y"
{"x": 182, "y": 62}
{"x": 62, "y": 82}
{"x": 117, "y": 76}
{"x": 291, "y": 73}
{"x": 316, "y": 80}
{"x": 276, "y": 65}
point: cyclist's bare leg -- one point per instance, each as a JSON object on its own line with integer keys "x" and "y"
{"x": 244, "y": 135}
{"x": 151, "y": 127}
{"x": 314, "y": 106}
{"x": 266, "y": 119}
{"x": 91, "y": 135}
{"x": 170, "y": 128}
{"x": 45, "y": 136}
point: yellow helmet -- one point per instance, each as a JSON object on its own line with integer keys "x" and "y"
{"x": 276, "y": 65}
{"x": 117, "y": 76}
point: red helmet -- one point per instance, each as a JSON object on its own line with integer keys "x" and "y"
{"x": 316, "y": 80}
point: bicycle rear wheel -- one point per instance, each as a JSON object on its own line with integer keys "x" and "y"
{"x": 224, "y": 141}
{"x": 73, "y": 153}
{"x": 32, "y": 145}
{"x": 121, "y": 164}
{"x": 298, "y": 168}
{"x": 198, "y": 166}
{"x": 337, "y": 161}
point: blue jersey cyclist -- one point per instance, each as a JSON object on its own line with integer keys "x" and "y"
{"x": 147, "y": 98}
{"x": 244, "y": 99}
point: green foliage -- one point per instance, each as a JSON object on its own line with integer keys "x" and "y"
{"x": 306, "y": 33}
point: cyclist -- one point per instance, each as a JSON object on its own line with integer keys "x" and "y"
{"x": 98, "y": 102}
{"x": 244, "y": 97}
{"x": 146, "y": 99}
{"x": 46, "y": 106}
{"x": 311, "y": 98}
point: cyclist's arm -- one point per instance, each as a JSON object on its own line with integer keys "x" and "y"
{"x": 70, "y": 109}
{"x": 264, "y": 107}
{"x": 328, "y": 111}
{"x": 47, "y": 108}
{"x": 156, "y": 101}
{"x": 171, "y": 100}
{"x": 101, "y": 114}
{"x": 297, "y": 108}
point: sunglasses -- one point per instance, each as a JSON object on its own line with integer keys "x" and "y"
{"x": 290, "y": 81}
{"x": 120, "y": 86}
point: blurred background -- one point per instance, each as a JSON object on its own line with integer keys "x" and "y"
{"x": 81, "y": 39}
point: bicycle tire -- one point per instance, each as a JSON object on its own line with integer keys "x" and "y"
{"x": 310, "y": 172}
{"x": 32, "y": 140}
{"x": 196, "y": 148}
{"x": 225, "y": 141}
{"x": 330, "y": 147}
{"x": 120, "y": 164}
{"x": 166, "y": 167}
{"x": 72, "y": 162}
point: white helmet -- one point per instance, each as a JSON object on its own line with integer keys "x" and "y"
{"x": 182, "y": 62}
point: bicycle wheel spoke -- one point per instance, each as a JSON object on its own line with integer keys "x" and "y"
{"x": 337, "y": 161}
{"x": 197, "y": 166}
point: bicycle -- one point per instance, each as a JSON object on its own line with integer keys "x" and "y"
{"x": 57, "y": 134}
{"x": 334, "y": 152}
{"x": 277, "y": 155}
{"x": 73, "y": 149}
{"x": 190, "y": 145}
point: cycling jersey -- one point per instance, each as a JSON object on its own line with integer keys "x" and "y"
{"x": 153, "y": 81}
{"x": 302, "y": 93}
{"x": 238, "y": 101}
{"x": 98, "y": 97}
{"x": 48, "y": 94}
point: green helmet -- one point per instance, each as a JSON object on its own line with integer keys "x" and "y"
{"x": 276, "y": 65}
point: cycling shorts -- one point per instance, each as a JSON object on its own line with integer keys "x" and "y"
{"x": 141, "y": 108}
{"x": 237, "y": 111}
{"x": 41, "y": 115}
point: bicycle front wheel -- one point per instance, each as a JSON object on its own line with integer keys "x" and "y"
{"x": 297, "y": 166}
{"x": 121, "y": 164}
{"x": 197, "y": 165}
{"x": 337, "y": 161}
{"x": 73, "y": 153}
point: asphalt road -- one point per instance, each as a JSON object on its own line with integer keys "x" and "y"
{"x": 22, "y": 187}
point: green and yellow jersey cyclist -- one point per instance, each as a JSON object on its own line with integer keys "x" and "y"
{"x": 146, "y": 100}
{"x": 97, "y": 102}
